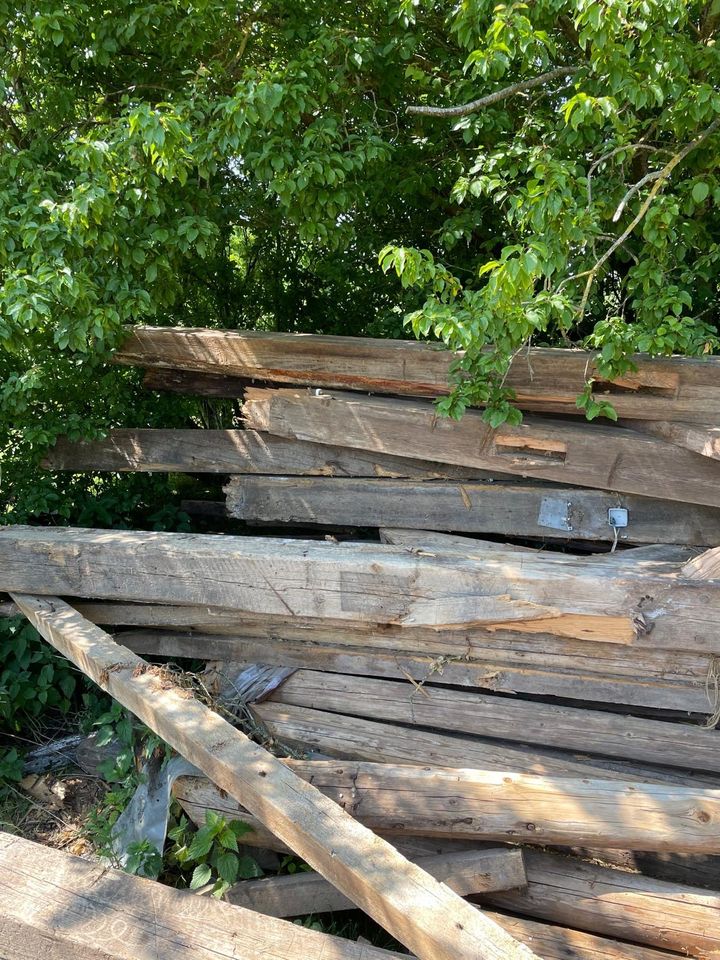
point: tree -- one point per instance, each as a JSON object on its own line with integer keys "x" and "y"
{"x": 243, "y": 165}
{"x": 596, "y": 141}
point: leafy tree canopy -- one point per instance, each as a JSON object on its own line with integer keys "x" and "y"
{"x": 244, "y": 164}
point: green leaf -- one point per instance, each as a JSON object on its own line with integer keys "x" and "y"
{"x": 200, "y": 876}
{"x": 201, "y": 843}
{"x": 700, "y": 191}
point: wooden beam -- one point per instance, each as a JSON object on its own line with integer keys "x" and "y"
{"x": 504, "y": 509}
{"x": 60, "y": 907}
{"x": 570, "y": 669}
{"x": 367, "y": 583}
{"x": 420, "y": 912}
{"x": 192, "y": 383}
{"x": 542, "y": 378}
{"x": 235, "y": 452}
{"x": 337, "y": 735}
{"x": 544, "y": 724}
{"x": 197, "y": 795}
{"x": 611, "y": 458}
{"x": 299, "y": 894}
{"x": 701, "y": 438}
{"x": 499, "y": 805}
{"x": 561, "y": 943}
{"x": 617, "y": 904}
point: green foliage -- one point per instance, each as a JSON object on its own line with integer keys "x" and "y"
{"x": 210, "y": 855}
{"x": 230, "y": 165}
{"x": 591, "y": 203}
{"x": 33, "y": 678}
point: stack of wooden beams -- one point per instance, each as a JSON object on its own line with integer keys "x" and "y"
{"x": 532, "y": 727}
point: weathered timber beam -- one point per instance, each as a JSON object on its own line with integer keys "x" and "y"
{"x": 507, "y": 806}
{"x": 59, "y": 907}
{"x": 465, "y": 872}
{"x": 701, "y": 438}
{"x": 423, "y": 914}
{"x": 566, "y": 728}
{"x": 504, "y": 509}
{"x": 617, "y": 904}
{"x": 562, "y": 943}
{"x": 573, "y": 670}
{"x": 367, "y": 583}
{"x": 542, "y": 378}
{"x": 611, "y": 458}
{"x": 235, "y": 452}
{"x": 337, "y": 735}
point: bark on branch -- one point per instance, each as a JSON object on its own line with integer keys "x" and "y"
{"x": 515, "y": 88}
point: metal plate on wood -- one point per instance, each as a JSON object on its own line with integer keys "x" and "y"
{"x": 555, "y": 513}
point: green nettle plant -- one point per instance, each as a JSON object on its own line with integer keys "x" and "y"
{"x": 595, "y": 141}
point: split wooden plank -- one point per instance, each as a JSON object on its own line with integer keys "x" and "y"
{"x": 542, "y": 378}
{"x": 701, "y": 438}
{"x": 420, "y": 912}
{"x": 300, "y": 894}
{"x": 509, "y": 510}
{"x": 367, "y": 583}
{"x": 548, "y": 725}
{"x": 60, "y": 907}
{"x": 617, "y": 904}
{"x": 570, "y": 669}
{"x": 432, "y": 801}
{"x": 553, "y": 942}
{"x": 344, "y": 737}
{"x": 235, "y": 452}
{"x": 611, "y": 458}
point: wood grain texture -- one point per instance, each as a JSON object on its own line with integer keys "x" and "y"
{"x": 544, "y": 724}
{"x": 303, "y": 893}
{"x": 701, "y": 438}
{"x": 235, "y": 452}
{"x": 617, "y": 904}
{"x": 569, "y": 669}
{"x": 344, "y": 737}
{"x": 542, "y": 378}
{"x": 506, "y": 806}
{"x": 56, "y": 906}
{"x": 553, "y": 942}
{"x": 504, "y": 509}
{"x": 367, "y": 583}
{"x": 196, "y": 795}
{"x": 423, "y": 914}
{"x": 606, "y": 457}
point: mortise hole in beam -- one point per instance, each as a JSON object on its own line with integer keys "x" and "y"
{"x": 530, "y": 451}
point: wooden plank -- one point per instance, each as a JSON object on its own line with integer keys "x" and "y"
{"x": 607, "y": 457}
{"x": 548, "y": 725}
{"x": 423, "y": 914}
{"x": 500, "y": 805}
{"x": 60, "y": 907}
{"x": 300, "y": 894}
{"x": 508, "y": 510}
{"x": 196, "y": 796}
{"x": 542, "y": 378}
{"x": 617, "y": 904}
{"x": 701, "y": 438}
{"x": 553, "y": 942}
{"x": 192, "y": 383}
{"x": 236, "y": 452}
{"x": 344, "y": 737}
{"x": 472, "y": 548}
{"x": 367, "y": 583}
{"x": 603, "y": 673}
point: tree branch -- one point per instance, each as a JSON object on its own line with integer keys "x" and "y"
{"x": 511, "y": 91}
{"x": 661, "y": 177}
